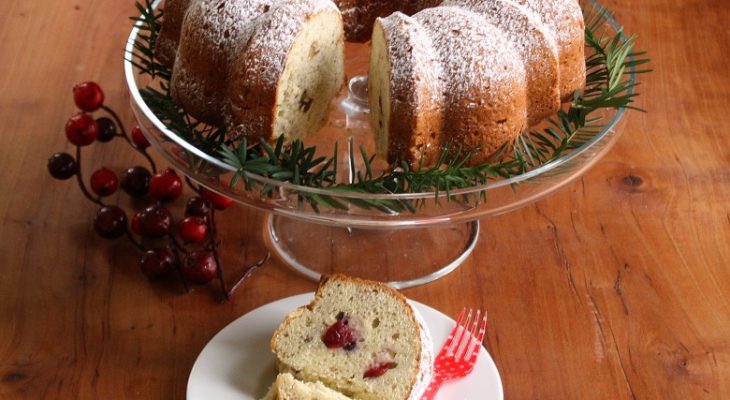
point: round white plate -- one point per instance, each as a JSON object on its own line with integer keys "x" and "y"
{"x": 237, "y": 364}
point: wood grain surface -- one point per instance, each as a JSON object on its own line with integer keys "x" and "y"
{"x": 615, "y": 288}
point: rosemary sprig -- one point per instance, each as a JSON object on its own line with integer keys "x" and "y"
{"x": 608, "y": 85}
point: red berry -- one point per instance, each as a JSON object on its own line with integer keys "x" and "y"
{"x": 197, "y": 207}
{"x": 156, "y": 263}
{"x": 218, "y": 201}
{"x": 136, "y": 181}
{"x": 110, "y": 222}
{"x": 193, "y": 229}
{"x": 104, "y": 182}
{"x": 82, "y": 130}
{"x": 62, "y": 166}
{"x": 135, "y": 224}
{"x": 166, "y": 185}
{"x": 339, "y": 335}
{"x": 199, "y": 267}
{"x": 88, "y": 96}
{"x": 107, "y": 129}
{"x": 379, "y": 369}
{"x": 155, "y": 221}
{"x": 139, "y": 139}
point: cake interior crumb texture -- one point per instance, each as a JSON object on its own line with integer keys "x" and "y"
{"x": 286, "y": 387}
{"x": 313, "y": 75}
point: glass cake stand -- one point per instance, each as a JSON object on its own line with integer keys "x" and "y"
{"x": 440, "y": 233}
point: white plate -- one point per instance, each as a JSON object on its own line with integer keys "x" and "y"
{"x": 237, "y": 364}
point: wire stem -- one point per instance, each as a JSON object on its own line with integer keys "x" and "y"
{"x": 128, "y": 140}
{"x": 213, "y": 247}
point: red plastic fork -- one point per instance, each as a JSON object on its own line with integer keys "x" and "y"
{"x": 459, "y": 354}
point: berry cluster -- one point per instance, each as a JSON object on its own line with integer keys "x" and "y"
{"x": 191, "y": 246}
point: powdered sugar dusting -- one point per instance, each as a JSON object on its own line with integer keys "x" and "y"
{"x": 562, "y": 17}
{"x": 535, "y": 44}
{"x": 475, "y": 55}
{"x": 564, "y": 20}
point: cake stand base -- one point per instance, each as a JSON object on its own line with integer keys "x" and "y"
{"x": 402, "y": 258}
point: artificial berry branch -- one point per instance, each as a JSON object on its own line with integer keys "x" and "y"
{"x": 155, "y": 222}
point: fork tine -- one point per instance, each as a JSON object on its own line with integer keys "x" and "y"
{"x": 467, "y": 340}
{"x": 453, "y": 332}
{"x": 480, "y": 337}
{"x": 462, "y": 333}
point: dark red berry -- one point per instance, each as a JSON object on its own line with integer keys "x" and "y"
{"x": 166, "y": 185}
{"x": 379, "y": 369}
{"x": 104, "y": 182}
{"x": 339, "y": 335}
{"x": 107, "y": 129}
{"x": 110, "y": 222}
{"x": 135, "y": 224}
{"x": 199, "y": 267}
{"x": 193, "y": 229}
{"x": 62, "y": 166}
{"x": 88, "y": 96}
{"x": 218, "y": 201}
{"x": 197, "y": 207}
{"x": 156, "y": 263}
{"x": 136, "y": 181}
{"x": 139, "y": 139}
{"x": 82, "y": 130}
{"x": 155, "y": 221}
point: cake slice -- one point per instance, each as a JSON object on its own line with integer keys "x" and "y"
{"x": 287, "y": 387}
{"x": 360, "y": 338}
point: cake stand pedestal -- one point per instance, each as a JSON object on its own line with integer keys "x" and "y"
{"x": 313, "y": 249}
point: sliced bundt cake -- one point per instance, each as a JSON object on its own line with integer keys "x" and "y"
{"x": 473, "y": 73}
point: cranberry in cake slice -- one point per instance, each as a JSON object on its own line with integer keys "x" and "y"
{"x": 360, "y": 338}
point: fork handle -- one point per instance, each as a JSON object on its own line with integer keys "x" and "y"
{"x": 436, "y": 382}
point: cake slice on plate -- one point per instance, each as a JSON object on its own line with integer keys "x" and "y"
{"x": 360, "y": 338}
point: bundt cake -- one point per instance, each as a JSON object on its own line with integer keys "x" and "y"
{"x": 474, "y": 73}
{"x": 287, "y": 387}
{"x": 360, "y": 338}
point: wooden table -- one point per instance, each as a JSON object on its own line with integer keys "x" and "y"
{"x": 615, "y": 288}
